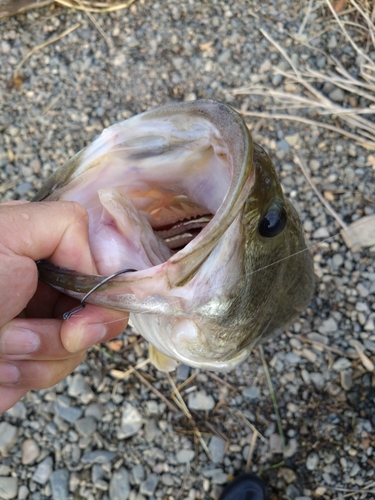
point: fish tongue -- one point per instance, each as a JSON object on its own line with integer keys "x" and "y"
{"x": 121, "y": 237}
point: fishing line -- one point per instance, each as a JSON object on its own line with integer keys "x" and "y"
{"x": 69, "y": 314}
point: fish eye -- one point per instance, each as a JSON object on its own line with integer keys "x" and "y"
{"x": 273, "y": 222}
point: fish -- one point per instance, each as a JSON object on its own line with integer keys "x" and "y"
{"x": 182, "y": 197}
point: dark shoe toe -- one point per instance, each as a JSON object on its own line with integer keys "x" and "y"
{"x": 245, "y": 487}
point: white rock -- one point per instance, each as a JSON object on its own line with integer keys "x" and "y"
{"x": 200, "y": 400}
{"x": 341, "y": 364}
{"x": 30, "y": 451}
{"x": 8, "y": 487}
{"x": 312, "y": 461}
{"x": 8, "y": 436}
{"x": 328, "y": 326}
{"x": 185, "y": 456}
{"x": 131, "y": 422}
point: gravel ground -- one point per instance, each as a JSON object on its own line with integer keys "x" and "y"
{"x": 98, "y": 437}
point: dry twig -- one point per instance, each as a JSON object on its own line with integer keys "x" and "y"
{"x": 181, "y": 404}
{"x": 42, "y": 45}
{"x": 324, "y": 202}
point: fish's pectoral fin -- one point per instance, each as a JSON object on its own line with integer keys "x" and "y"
{"x": 161, "y": 361}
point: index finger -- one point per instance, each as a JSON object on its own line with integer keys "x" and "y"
{"x": 34, "y": 231}
{"x": 57, "y": 230}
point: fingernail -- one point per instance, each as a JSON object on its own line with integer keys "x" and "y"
{"x": 9, "y": 374}
{"x": 17, "y": 340}
{"x": 86, "y": 336}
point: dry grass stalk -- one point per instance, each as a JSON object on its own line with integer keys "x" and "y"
{"x": 251, "y": 452}
{"x": 365, "y": 489}
{"x": 120, "y": 375}
{"x": 10, "y": 8}
{"x": 42, "y": 45}
{"x": 239, "y": 414}
{"x": 94, "y": 22}
{"x": 186, "y": 382}
{"x": 366, "y": 361}
{"x": 307, "y": 81}
{"x": 95, "y": 6}
{"x": 322, "y": 346}
{"x": 326, "y": 204}
{"x": 5, "y": 187}
{"x": 181, "y": 404}
{"x": 170, "y": 405}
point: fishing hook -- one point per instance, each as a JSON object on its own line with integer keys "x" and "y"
{"x": 67, "y": 315}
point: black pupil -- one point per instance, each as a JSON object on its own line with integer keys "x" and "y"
{"x": 273, "y": 222}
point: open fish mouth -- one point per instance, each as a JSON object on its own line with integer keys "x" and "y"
{"x": 182, "y": 196}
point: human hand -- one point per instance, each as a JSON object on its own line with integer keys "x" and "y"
{"x": 38, "y": 348}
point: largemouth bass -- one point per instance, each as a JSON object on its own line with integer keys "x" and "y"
{"x": 183, "y": 196}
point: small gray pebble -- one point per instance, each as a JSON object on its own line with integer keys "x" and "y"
{"x": 185, "y": 456}
{"x": 77, "y": 385}
{"x": 370, "y": 345}
{"x": 337, "y": 95}
{"x": 149, "y": 485}
{"x": 217, "y": 476}
{"x": 283, "y": 146}
{"x": 332, "y": 42}
{"x": 119, "y": 487}
{"x": 138, "y": 473}
{"x": 98, "y": 457}
{"x": 317, "y": 379}
{"x": 30, "y": 451}
{"x": 321, "y": 62}
{"x": 338, "y": 260}
{"x": 216, "y": 447}
{"x": 167, "y": 479}
{"x": 94, "y": 410}
{"x": 8, "y": 487}
{"x": 65, "y": 411}
{"x": 131, "y": 422}
{"x": 276, "y": 443}
{"x": 328, "y": 326}
{"x": 151, "y": 430}
{"x": 322, "y": 232}
{"x": 341, "y": 364}
{"x": 292, "y": 492}
{"x": 183, "y": 372}
{"x": 346, "y": 380}
{"x": 17, "y": 411}
{"x": 225, "y": 56}
{"x": 292, "y": 358}
{"x": 277, "y": 79}
{"x": 23, "y": 492}
{"x": 8, "y": 436}
{"x": 85, "y": 426}
{"x": 59, "y": 484}
{"x": 312, "y": 461}
{"x": 23, "y": 188}
{"x": 251, "y": 393}
{"x": 43, "y": 471}
{"x": 200, "y": 400}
